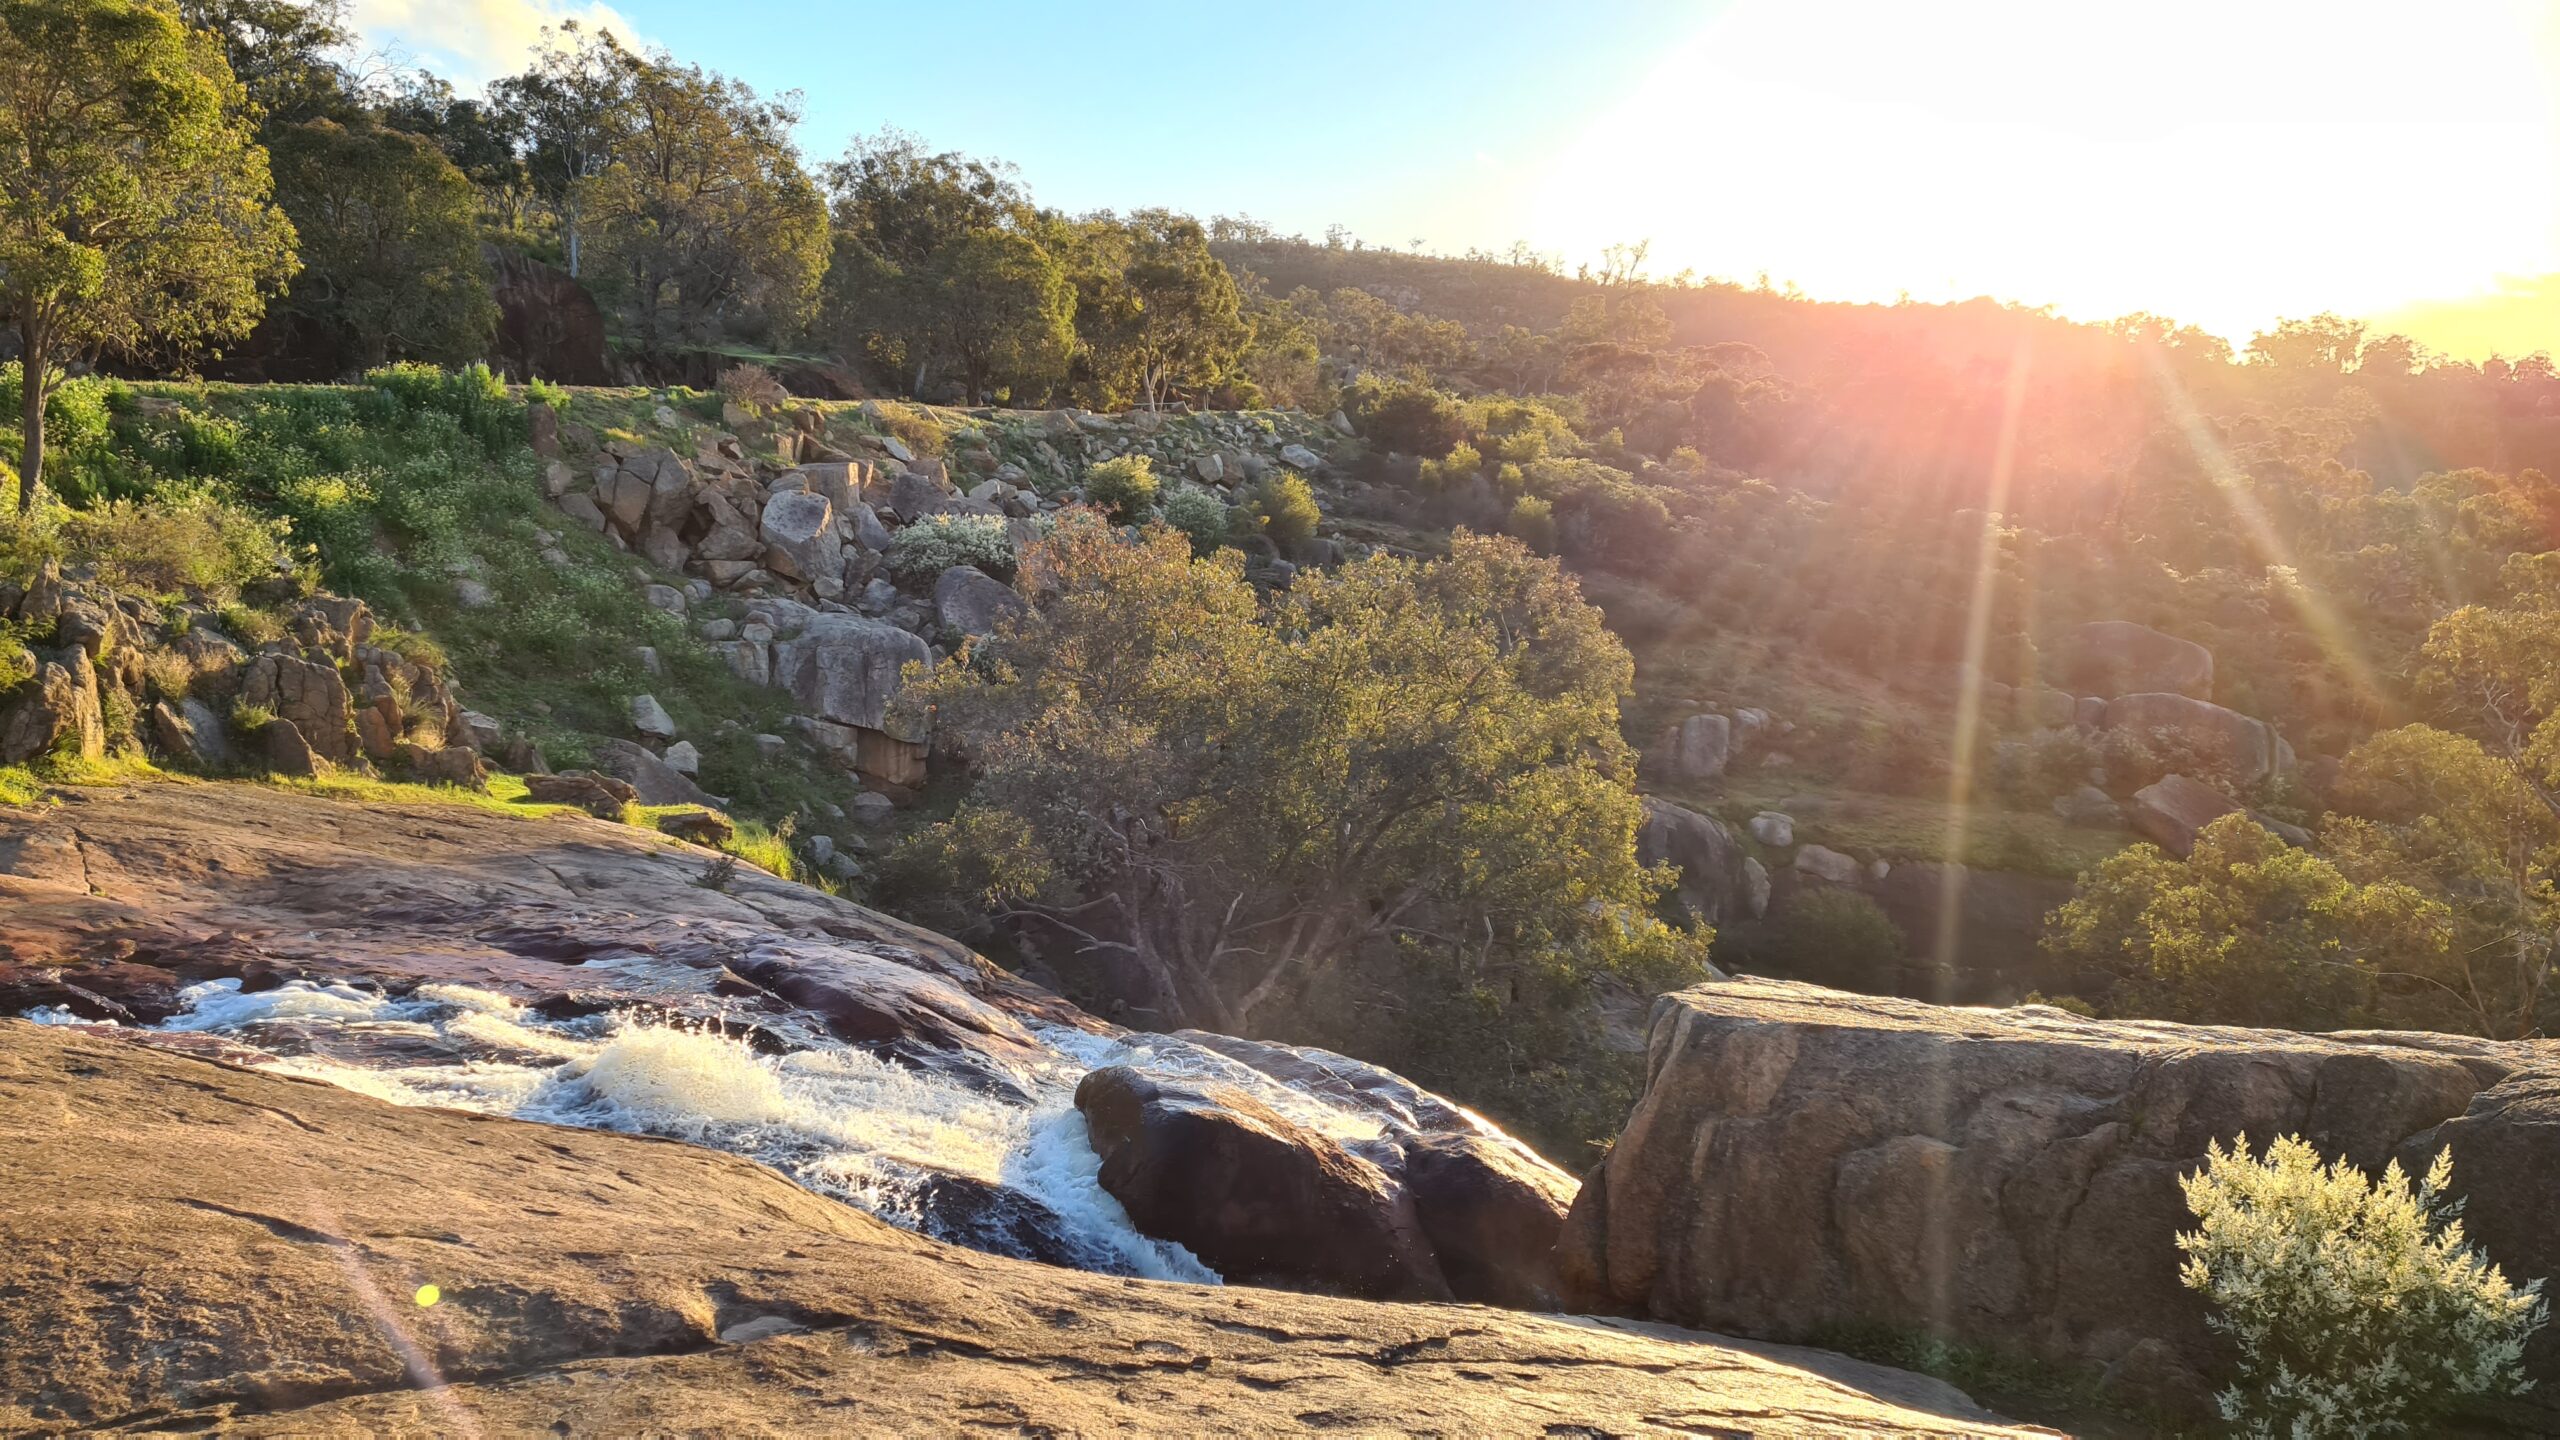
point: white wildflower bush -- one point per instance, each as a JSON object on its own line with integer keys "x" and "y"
{"x": 935, "y": 543}
{"x": 2356, "y": 1305}
{"x": 1199, "y": 515}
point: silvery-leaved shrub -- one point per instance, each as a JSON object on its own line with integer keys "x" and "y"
{"x": 1197, "y": 514}
{"x": 935, "y": 543}
{"x": 2356, "y": 1305}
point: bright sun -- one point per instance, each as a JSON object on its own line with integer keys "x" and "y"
{"x": 2225, "y": 164}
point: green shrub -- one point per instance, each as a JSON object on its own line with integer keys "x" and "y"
{"x": 2355, "y": 1305}
{"x": 17, "y": 662}
{"x": 1197, "y": 514}
{"x": 1285, "y": 511}
{"x": 539, "y": 391}
{"x": 1533, "y": 523}
{"x": 474, "y": 396}
{"x": 1439, "y": 477}
{"x": 188, "y": 541}
{"x": 250, "y": 626}
{"x": 80, "y": 461}
{"x": 912, "y": 424}
{"x": 1403, "y": 416}
{"x": 1513, "y": 430}
{"x": 934, "y": 544}
{"x": 1125, "y": 487}
{"x": 1832, "y": 936}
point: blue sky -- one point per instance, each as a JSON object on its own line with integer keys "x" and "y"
{"x": 2222, "y": 163}
{"x": 1397, "y": 120}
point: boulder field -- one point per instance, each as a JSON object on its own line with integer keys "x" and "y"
{"x": 1805, "y": 1162}
{"x": 193, "y": 1234}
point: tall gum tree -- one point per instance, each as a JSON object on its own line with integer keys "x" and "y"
{"x": 134, "y": 205}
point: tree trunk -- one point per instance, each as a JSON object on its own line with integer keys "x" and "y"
{"x": 31, "y": 420}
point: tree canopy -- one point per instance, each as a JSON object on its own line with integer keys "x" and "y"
{"x": 390, "y": 250}
{"x": 1217, "y": 801}
{"x": 135, "y": 206}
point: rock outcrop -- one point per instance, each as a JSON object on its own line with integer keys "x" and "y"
{"x": 1805, "y": 1159}
{"x": 1715, "y": 885}
{"x": 2246, "y": 748}
{"x": 968, "y": 602}
{"x": 549, "y": 327}
{"x": 2108, "y": 658}
{"x": 2506, "y": 1171}
{"x": 192, "y": 1245}
{"x": 185, "y": 1245}
{"x": 1697, "y": 748}
{"x": 844, "y": 670}
{"x": 1256, "y": 1196}
{"x": 110, "y": 670}
{"x": 2173, "y": 810}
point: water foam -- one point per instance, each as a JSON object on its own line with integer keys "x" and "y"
{"x": 839, "y": 1120}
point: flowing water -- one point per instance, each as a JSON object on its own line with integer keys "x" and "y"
{"x": 920, "y": 1149}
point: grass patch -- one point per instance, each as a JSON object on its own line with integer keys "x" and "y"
{"x": 398, "y": 489}
{"x": 754, "y": 843}
{"x": 1905, "y": 828}
{"x": 2014, "y": 1385}
{"x": 19, "y": 786}
{"x": 506, "y": 794}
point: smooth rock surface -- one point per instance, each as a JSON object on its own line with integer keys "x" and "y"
{"x": 2108, "y": 658}
{"x": 246, "y": 1254}
{"x": 1696, "y": 749}
{"x": 972, "y": 603}
{"x": 2247, "y": 747}
{"x": 847, "y": 668}
{"x": 2172, "y": 811}
{"x": 1803, "y": 1159}
{"x": 1713, "y": 887}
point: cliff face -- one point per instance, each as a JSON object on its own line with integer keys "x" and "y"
{"x": 1806, "y": 1160}
{"x": 193, "y": 1232}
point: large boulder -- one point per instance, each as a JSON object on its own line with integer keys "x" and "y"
{"x": 847, "y": 668}
{"x": 600, "y": 795}
{"x": 656, "y": 781}
{"x": 1712, "y": 886}
{"x": 799, "y": 533}
{"x": 1259, "y": 1198}
{"x": 549, "y": 327}
{"x": 57, "y": 712}
{"x": 2171, "y": 812}
{"x": 1492, "y": 1213}
{"x": 2506, "y": 1171}
{"x": 1695, "y": 749}
{"x": 1823, "y": 863}
{"x": 972, "y": 603}
{"x": 1804, "y": 1161}
{"x": 309, "y": 694}
{"x": 2247, "y": 748}
{"x": 2108, "y": 658}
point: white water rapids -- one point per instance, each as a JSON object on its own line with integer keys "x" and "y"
{"x": 919, "y": 1149}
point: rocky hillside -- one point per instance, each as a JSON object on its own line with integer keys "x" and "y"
{"x": 201, "y": 953}
{"x": 1751, "y": 809}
